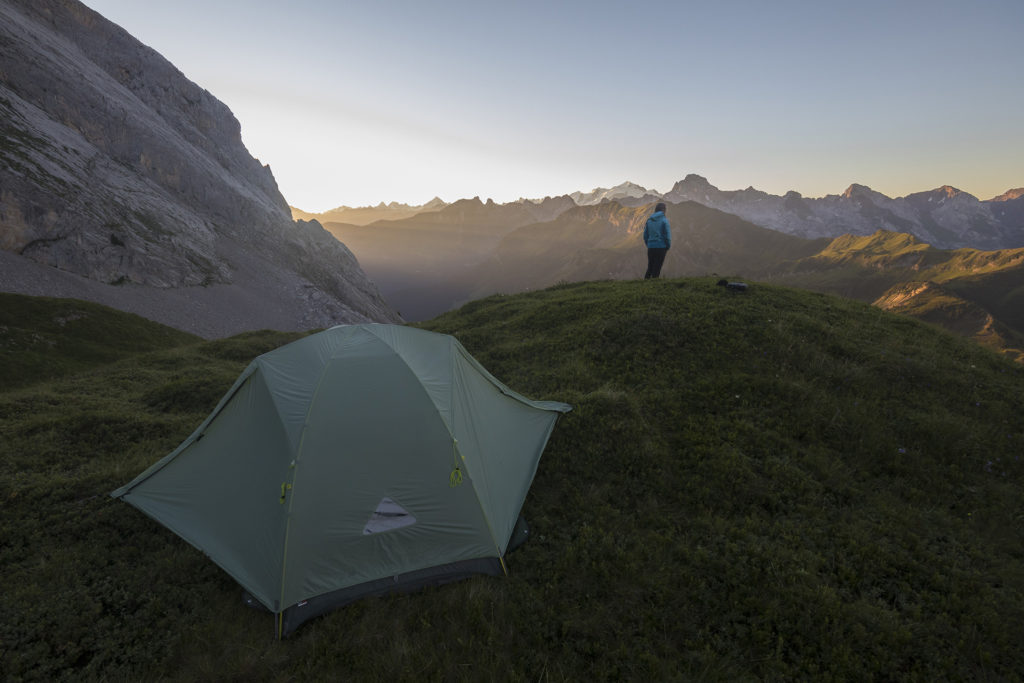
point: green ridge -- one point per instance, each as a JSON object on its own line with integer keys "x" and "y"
{"x": 44, "y": 338}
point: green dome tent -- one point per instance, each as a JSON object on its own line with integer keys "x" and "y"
{"x": 357, "y": 461}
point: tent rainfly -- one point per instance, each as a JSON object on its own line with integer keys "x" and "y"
{"x": 361, "y": 460}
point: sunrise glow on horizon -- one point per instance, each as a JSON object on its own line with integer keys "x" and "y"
{"x": 358, "y": 103}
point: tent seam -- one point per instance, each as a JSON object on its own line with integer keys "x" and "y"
{"x": 249, "y": 371}
{"x": 295, "y": 471}
{"x": 455, "y": 353}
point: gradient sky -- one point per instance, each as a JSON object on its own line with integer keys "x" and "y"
{"x": 357, "y": 102}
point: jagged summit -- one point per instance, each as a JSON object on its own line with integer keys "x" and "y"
{"x": 692, "y": 183}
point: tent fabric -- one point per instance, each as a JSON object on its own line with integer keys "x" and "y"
{"x": 352, "y": 458}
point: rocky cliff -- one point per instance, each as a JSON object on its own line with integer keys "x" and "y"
{"x": 123, "y": 182}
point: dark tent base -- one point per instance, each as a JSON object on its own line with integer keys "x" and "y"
{"x": 296, "y": 615}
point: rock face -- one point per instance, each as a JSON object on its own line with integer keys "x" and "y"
{"x": 124, "y": 182}
{"x": 945, "y": 217}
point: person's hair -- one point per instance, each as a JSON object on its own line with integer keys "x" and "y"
{"x": 660, "y": 206}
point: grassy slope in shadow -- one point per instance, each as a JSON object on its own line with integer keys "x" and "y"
{"x": 44, "y": 338}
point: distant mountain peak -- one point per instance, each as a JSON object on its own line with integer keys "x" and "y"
{"x": 693, "y": 181}
{"x": 1009, "y": 195}
{"x": 857, "y": 190}
{"x": 626, "y": 190}
{"x": 941, "y": 194}
{"x": 629, "y": 185}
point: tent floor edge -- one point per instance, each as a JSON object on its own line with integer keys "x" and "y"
{"x": 296, "y": 615}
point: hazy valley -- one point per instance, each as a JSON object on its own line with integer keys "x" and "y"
{"x": 442, "y": 257}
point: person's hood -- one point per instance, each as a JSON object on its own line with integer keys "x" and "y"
{"x": 658, "y": 214}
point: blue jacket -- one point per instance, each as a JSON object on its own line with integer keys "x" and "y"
{"x": 657, "y": 234}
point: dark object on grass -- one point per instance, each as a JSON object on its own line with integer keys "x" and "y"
{"x": 734, "y": 286}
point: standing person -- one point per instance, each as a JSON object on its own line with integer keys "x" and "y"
{"x": 658, "y": 238}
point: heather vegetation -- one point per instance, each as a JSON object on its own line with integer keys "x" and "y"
{"x": 772, "y": 485}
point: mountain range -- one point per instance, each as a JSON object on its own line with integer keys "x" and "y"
{"x": 125, "y": 183}
{"x": 368, "y": 214}
{"x": 944, "y": 217}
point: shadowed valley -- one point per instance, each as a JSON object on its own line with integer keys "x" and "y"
{"x": 428, "y": 264}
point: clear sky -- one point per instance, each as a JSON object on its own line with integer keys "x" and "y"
{"x": 360, "y": 101}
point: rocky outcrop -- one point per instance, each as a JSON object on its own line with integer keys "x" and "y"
{"x": 117, "y": 170}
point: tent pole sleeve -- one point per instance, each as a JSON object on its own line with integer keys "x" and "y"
{"x": 490, "y": 527}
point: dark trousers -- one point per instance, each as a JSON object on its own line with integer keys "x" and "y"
{"x": 655, "y": 260}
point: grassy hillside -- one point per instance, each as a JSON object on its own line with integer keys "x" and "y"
{"x": 942, "y": 306}
{"x": 770, "y": 485}
{"x": 1000, "y": 292}
{"x": 887, "y": 258}
{"x": 978, "y": 294}
{"x": 43, "y": 338}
